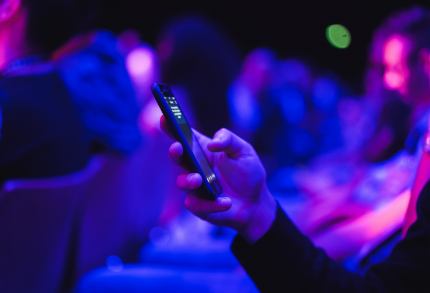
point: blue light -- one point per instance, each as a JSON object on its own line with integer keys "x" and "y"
{"x": 325, "y": 94}
{"x": 293, "y": 104}
{"x": 114, "y": 263}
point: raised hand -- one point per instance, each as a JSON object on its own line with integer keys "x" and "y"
{"x": 245, "y": 205}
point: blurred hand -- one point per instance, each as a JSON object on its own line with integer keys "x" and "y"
{"x": 246, "y": 204}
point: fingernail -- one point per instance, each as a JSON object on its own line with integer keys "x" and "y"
{"x": 217, "y": 139}
{"x": 224, "y": 200}
{"x": 191, "y": 179}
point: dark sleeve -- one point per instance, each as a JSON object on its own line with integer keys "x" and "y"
{"x": 42, "y": 134}
{"x": 284, "y": 260}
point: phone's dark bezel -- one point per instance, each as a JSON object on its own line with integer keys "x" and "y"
{"x": 207, "y": 190}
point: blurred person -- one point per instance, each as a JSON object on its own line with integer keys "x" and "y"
{"x": 397, "y": 91}
{"x": 249, "y": 90}
{"x": 61, "y": 107}
{"x": 372, "y": 174}
{"x": 199, "y": 61}
{"x": 42, "y": 132}
{"x": 109, "y": 78}
{"x": 314, "y": 127}
{"x": 402, "y": 49}
{"x": 254, "y": 114}
{"x": 94, "y": 71}
{"x": 400, "y": 52}
{"x": 396, "y": 84}
{"x": 271, "y": 249}
{"x": 68, "y": 96}
{"x": 285, "y": 109}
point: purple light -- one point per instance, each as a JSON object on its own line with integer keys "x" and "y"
{"x": 295, "y": 72}
{"x": 140, "y": 62}
{"x": 149, "y": 118}
{"x": 293, "y": 104}
{"x": 325, "y": 94}
{"x": 244, "y": 108}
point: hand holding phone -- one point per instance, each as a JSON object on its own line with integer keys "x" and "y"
{"x": 246, "y": 204}
{"x": 194, "y": 156}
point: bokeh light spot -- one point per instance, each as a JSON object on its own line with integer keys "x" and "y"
{"x": 114, "y": 263}
{"x": 139, "y": 62}
{"x": 338, "y": 36}
{"x": 293, "y": 105}
{"x": 325, "y": 94}
{"x": 159, "y": 236}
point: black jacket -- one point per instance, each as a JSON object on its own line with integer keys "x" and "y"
{"x": 284, "y": 260}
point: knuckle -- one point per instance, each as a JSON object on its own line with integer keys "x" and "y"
{"x": 221, "y": 132}
{"x": 224, "y": 131}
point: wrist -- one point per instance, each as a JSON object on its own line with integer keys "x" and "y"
{"x": 262, "y": 218}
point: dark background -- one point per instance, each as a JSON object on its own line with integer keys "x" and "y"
{"x": 292, "y": 28}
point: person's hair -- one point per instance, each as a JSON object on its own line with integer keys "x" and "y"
{"x": 413, "y": 23}
{"x": 50, "y": 23}
{"x": 419, "y": 33}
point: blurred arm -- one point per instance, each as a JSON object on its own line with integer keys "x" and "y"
{"x": 422, "y": 177}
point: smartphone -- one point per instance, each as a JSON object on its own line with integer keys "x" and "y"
{"x": 193, "y": 153}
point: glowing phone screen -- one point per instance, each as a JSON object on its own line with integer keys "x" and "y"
{"x": 189, "y": 135}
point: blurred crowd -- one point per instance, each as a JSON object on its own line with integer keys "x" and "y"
{"x": 341, "y": 164}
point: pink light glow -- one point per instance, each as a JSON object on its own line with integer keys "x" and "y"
{"x": 393, "y": 80}
{"x": 395, "y": 51}
{"x": 361, "y": 233}
{"x": 139, "y": 62}
{"x": 149, "y": 118}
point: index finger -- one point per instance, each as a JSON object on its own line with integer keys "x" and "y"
{"x": 228, "y": 142}
{"x": 165, "y": 127}
{"x": 202, "y": 207}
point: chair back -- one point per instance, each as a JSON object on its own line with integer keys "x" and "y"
{"x": 54, "y": 230}
{"x": 124, "y": 203}
{"x": 38, "y": 230}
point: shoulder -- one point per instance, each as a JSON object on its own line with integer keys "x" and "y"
{"x": 38, "y": 98}
{"x": 30, "y": 86}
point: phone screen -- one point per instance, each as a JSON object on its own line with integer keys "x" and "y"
{"x": 189, "y": 135}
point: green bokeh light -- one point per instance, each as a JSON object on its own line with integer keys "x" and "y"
{"x": 338, "y": 36}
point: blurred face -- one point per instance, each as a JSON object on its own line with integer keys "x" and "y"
{"x": 395, "y": 56}
{"x": 410, "y": 81}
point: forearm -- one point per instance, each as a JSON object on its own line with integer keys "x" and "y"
{"x": 422, "y": 177}
{"x": 285, "y": 260}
